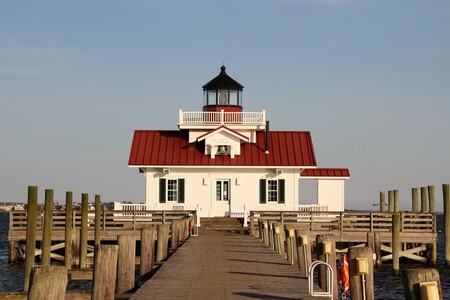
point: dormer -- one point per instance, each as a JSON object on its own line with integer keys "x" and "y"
{"x": 223, "y": 141}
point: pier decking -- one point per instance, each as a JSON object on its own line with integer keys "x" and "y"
{"x": 225, "y": 265}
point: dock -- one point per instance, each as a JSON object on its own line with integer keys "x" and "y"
{"x": 219, "y": 264}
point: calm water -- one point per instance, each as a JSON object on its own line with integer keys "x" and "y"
{"x": 387, "y": 286}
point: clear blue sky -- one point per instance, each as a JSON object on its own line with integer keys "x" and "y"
{"x": 369, "y": 78}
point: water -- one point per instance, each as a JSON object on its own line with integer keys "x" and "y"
{"x": 386, "y": 285}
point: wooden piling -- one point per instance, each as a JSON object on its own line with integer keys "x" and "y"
{"x": 391, "y": 201}
{"x": 48, "y": 282}
{"x": 396, "y": 201}
{"x": 446, "y": 197}
{"x": 431, "y": 199}
{"x": 31, "y": 234}
{"x": 97, "y": 232}
{"x": 175, "y": 236}
{"x": 423, "y": 199}
{"x": 382, "y": 202}
{"x": 303, "y": 251}
{"x": 415, "y": 200}
{"x": 84, "y": 230}
{"x": 105, "y": 269}
{"x": 356, "y": 282}
{"x": 396, "y": 246}
{"x": 47, "y": 230}
{"x": 76, "y": 235}
{"x": 162, "y": 242}
{"x": 147, "y": 250}
{"x": 330, "y": 258}
{"x": 126, "y": 263}
{"x": 68, "y": 232}
{"x": 412, "y": 279}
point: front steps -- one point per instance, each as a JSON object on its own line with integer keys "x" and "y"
{"x": 223, "y": 223}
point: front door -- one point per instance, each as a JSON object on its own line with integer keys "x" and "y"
{"x": 222, "y": 198}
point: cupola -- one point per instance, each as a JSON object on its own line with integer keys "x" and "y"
{"x": 222, "y": 93}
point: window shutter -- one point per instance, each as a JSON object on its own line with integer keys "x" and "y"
{"x": 162, "y": 190}
{"x": 281, "y": 191}
{"x": 181, "y": 190}
{"x": 262, "y": 191}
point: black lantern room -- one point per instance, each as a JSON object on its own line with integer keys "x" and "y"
{"x": 222, "y": 93}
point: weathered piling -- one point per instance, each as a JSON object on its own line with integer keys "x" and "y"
{"x": 105, "y": 269}
{"x": 47, "y": 230}
{"x": 97, "y": 231}
{"x": 446, "y": 198}
{"x": 162, "y": 242}
{"x": 147, "y": 250}
{"x": 76, "y": 234}
{"x": 68, "y": 232}
{"x": 361, "y": 273}
{"x": 431, "y": 199}
{"x": 31, "y": 234}
{"x": 84, "y": 230}
{"x": 48, "y": 282}
{"x": 290, "y": 245}
{"x": 126, "y": 263}
{"x": 396, "y": 246}
{"x": 303, "y": 251}
{"x": 377, "y": 242}
{"x": 423, "y": 199}
{"x": 175, "y": 236}
{"x": 391, "y": 201}
{"x": 415, "y": 200}
{"x": 326, "y": 251}
{"x": 396, "y": 201}
{"x": 382, "y": 202}
{"x": 414, "y": 279}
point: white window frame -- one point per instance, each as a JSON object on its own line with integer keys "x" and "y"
{"x": 172, "y": 193}
{"x": 272, "y": 194}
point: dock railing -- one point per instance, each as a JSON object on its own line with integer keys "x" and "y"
{"x": 111, "y": 220}
{"x": 348, "y": 222}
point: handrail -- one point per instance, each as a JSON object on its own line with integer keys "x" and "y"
{"x": 111, "y": 219}
{"x": 351, "y": 221}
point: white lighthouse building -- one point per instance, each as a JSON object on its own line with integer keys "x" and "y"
{"x": 224, "y": 161}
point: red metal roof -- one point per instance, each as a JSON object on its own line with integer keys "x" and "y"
{"x": 171, "y": 148}
{"x": 326, "y": 172}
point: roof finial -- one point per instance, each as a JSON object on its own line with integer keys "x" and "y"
{"x": 222, "y": 68}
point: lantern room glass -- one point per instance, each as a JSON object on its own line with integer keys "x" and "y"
{"x": 222, "y": 97}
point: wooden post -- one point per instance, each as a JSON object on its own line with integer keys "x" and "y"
{"x": 431, "y": 199}
{"x": 446, "y": 197}
{"x": 162, "y": 242}
{"x": 175, "y": 236}
{"x": 47, "y": 230}
{"x": 356, "y": 282}
{"x": 266, "y": 232}
{"x": 68, "y": 232}
{"x": 382, "y": 202}
{"x": 84, "y": 230}
{"x": 126, "y": 263}
{"x": 371, "y": 241}
{"x": 412, "y": 279}
{"x": 31, "y": 234}
{"x": 415, "y": 200}
{"x": 377, "y": 241}
{"x": 423, "y": 199}
{"x": 396, "y": 201}
{"x": 48, "y": 282}
{"x": 290, "y": 234}
{"x": 12, "y": 256}
{"x": 97, "y": 232}
{"x": 303, "y": 251}
{"x": 328, "y": 258}
{"x": 391, "y": 201}
{"x": 76, "y": 234}
{"x": 147, "y": 250}
{"x": 105, "y": 269}
{"x": 396, "y": 246}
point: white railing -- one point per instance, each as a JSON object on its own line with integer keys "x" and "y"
{"x": 204, "y": 117}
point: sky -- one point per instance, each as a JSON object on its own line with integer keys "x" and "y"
{"x": 370, "y": 79}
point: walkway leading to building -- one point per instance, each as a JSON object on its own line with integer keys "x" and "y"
{"x": 225, "y": 265}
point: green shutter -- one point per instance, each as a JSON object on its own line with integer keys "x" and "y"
{"x": 281, "y": 191}
{"x": 181, "y": 190}
{"x": 162, "y": 190}
{"x": 262, "y": 191}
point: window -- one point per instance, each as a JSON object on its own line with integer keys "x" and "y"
{"x": 272, "y": 191}
{"x": 222, "y": 190}
{"x": 171, "y": 190}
